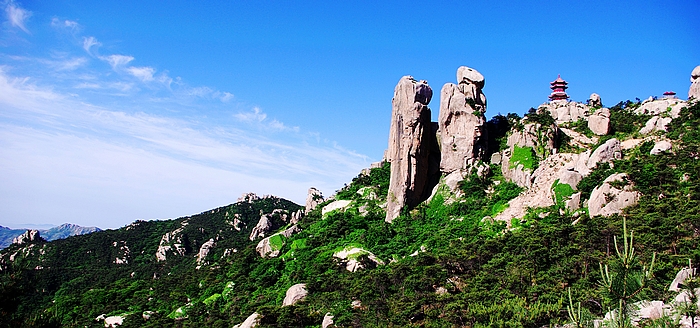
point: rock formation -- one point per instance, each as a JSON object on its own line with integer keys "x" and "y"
{"x": 265, "y": 247}
{"x": 599, "y": 122}
{"x": 313, "y": 198}
{"x": 249, "y": 322}
{"x": 610, "y": 198}
{"x": 462, "y": 123}
{"x": 351, "y": 255}
{"x": 327, "y": 320}
{"x": 294, "y": 294}
{"x": 409, "y": 145}
{"x": 694, "y": 91}
{"x": 594, "y": 100}
{"x": 263, "y": 227}
{"x": 204, "y": 250}
{"x": 26, "y": 237}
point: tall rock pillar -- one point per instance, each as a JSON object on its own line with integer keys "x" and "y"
{"x": 409, "y": 145}
{"x": 462, "y": 122}
{"x": 694, "y": 91}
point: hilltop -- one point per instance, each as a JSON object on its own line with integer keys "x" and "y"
{"x": 466, "y": 222}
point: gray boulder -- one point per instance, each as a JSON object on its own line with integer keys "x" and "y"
{"x": 660, "y": 146}
{"x": 607, "y": 200}
{"x": 295, "y": 294}
{"x": 594, "y": 100}
{"x": 599, "y": 122}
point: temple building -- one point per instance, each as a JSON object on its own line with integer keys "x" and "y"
{"x": 558, "y": 87}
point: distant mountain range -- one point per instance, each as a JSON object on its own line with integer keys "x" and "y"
{"x": 63, "y": 231}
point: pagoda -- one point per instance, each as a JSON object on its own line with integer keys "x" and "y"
{"x": 558, "y": 87}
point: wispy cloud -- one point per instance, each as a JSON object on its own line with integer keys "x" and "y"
{"x": 259, "y": 118}
{"x": 117, "y": 61}
{"x": 68, "y": 24}
{"x": 17, "y": 16}
{"x": 256, "y": 115}
{"x": 89, "y": 42}
{"x": 145, "y": 74}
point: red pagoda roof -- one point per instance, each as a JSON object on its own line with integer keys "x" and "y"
{"x": 669, "y": 93}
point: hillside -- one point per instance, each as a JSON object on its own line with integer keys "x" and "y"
{"x": 507, "y": 222}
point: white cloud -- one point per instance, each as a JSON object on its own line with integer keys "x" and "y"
{"x": 69, "y": 24}
{"x": 225, "y": 97}
{"x": 117, "y": 61}
{"x": 70, "y": 64}
{"x": 17, "y": 16}
{"x": 89, "y": 42}
{"x": 145, "y": 74}
{"x": 256, "y": 115}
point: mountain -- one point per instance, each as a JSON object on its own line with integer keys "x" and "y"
{"x": 63, "y": 231}
{"x": 574, "y": 214}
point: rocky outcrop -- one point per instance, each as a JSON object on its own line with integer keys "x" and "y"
{"x": 294, "y": 294}
{"x": 660, "y": 147}
{"x": 336, "y": 205}
{"x": 171, "y": 241}
{"x": 351, "y": 257}
{"x": 615, "y": 194}
{"x": 263, "y": 227}
{"x": 27, "y": 237}
{"x": 680, "y": 279}
{"x": 327, "y": 320}
{"x": 599, "y": 122}
{"x": 313, "y": 198}
{"x": 666, "y": 106}
{"x": 266, "y": 248}
{"x": 594, "y": 100}
{"x": 694, "y": 91}
{"x": 462, "y": 123}
{"x": 204, "y": 250}
{"x": 656, "y": 123}
{"x": 563, "y": 112}
{"x": 606, "y": 152}
{"x": 524, "y": 147}
{"x": 410, "y": 140}
{"x": 249, "y": 322}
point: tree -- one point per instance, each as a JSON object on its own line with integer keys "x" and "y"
{"x": 624, "y": 279}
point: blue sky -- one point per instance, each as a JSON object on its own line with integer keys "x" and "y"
{"x": 116, "y": 111}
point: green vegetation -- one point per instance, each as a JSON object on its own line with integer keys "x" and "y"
{"x": 525, "y": 156}
{"x": 562, "y": 192}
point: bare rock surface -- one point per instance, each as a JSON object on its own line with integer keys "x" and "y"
{"x": 204, "y": 250}
{"x": 661, "y": 146}
{"x": 336, "y": 205}
{"x": 262, "y": 228}
{"x": 295, "y": 294}
{"x": 327, "y": 320}
{"x": 599, "y": 122}
{"x": 680, "y": 278}
{"x": 540, "y": 194}
{"x": 313, "y": 198}
{"x": 409, "y": 145}
{"x": 670, "y": 106}
{"x": 461, "y": 120}
{"x": 351, "y": 254}
{"x": 594, "y": 100}
{"x": 606, "y": 152}
{"x": 656, "y": 123}
{"x": 27, "y": 237}
{"x": 694, "y": 91}
{"x": 171, "y": 241}
{"x": 249, "y": 322}
{"x": 564, "y": 112}
{"x": 607, "y": 199}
